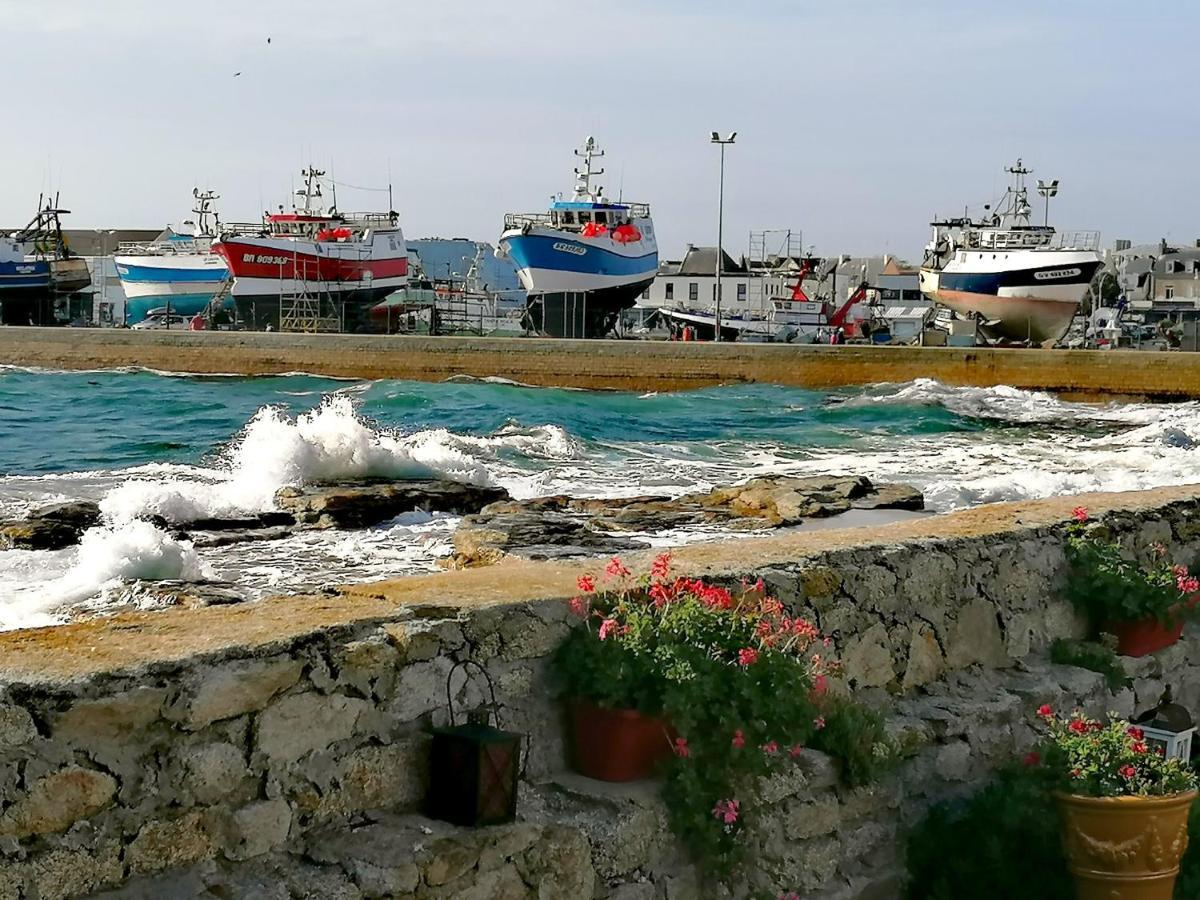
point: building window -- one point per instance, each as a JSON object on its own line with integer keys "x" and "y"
{"x": 646, "y": 293}
{"x": 741, "y": 295}
{"x": 693, "y": 292}
{"x": 1169, "y": 292}
{"x": 670, "y": 290}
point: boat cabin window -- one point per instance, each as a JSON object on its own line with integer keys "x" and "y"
{"x": 584, "y": 217}
{"x": 601, "y": 217}
{"x": 568, "y": 218}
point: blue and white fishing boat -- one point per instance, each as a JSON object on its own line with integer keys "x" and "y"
{"x": 583, "y": 261}
{"x": 38, "y": 270}
{"x": 178, "y": 273}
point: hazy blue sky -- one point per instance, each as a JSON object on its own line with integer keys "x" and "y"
{"x": 857, "y": 120}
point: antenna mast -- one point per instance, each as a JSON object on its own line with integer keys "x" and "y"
{"x": 583, "y": 183}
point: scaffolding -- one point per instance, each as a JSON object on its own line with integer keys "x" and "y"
{"x": 308, "y": 309}
{"x": 769, "y": 252}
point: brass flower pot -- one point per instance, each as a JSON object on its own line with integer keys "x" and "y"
{"x": 1125, "y": 848}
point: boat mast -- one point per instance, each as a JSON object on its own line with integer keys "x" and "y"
{"x": 205, "y": 212}
{"x": 311, "y": 190}
{"x": 583, "y": 177}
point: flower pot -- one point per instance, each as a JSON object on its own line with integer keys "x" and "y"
{"x": 1142, "y": 636}
{"x": 616, "y": 744}
{"x": 1126, "y": 847}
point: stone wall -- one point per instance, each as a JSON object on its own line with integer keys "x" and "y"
{"x": 616, "y": 365}
{"x": 280, "y": 750}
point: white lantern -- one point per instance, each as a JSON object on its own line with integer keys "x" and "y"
{"x": 1170, "y": 727}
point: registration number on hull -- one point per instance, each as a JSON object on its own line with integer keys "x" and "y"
{"x": 1055, "y": 274}
{"x": 563, "y": 247}
{"x": 265, "y": 260}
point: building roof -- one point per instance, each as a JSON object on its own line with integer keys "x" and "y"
{"x": 703, "y": 261}
{"x": 1189, "y": 258}
{"x": 98, "y": 241}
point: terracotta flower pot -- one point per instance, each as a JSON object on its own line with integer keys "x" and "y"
{"x": 1125, "y": 847}
{"x": 616, "y": 744}
{"x": 1142, "y": 636}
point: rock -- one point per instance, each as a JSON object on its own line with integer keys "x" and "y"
{"x": 16, "y": 726}
{"x": 807, "y": 820}
{"x": 560, "y": 526}
{"x": 259, "y": 828}
{"x": 172, "y": 843}
{"x": 976, "y": 637}
{"x": 360, "y": 505}
{"x": 50, "y": 527}
{"x": 302, "y": 723}
{"x": 57, "y": 801}
{"x": 925, "y": 659}
{"x": 211, "y": 772}
{"x": 262, "y": 522}
{"x": 867, "y": 660}
{"x": 236, "y": 688}
{"x": 227, "y": 538}
{"x": 37, "y": 534}
{"x": 109, "y": 718}
{"x": 60, "y": 874}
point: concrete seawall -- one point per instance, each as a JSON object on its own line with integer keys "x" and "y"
{"x": 280, "y": 749}
{"x": 613, "y": 365}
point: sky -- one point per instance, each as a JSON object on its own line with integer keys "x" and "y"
{"x": 857, "y": 120}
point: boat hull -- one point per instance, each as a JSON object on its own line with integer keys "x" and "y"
{"x": 1035, "y": 303}
{"x": 577, "y": 286}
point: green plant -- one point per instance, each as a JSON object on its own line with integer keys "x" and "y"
{"x": 1089, "y": 758}
{"x": 741, "y": 682}
{"x": 855, "y": 735}
{"x": 1096, "y": 656}
{"x": 1108, "y": 587}
{"x": 986, "y": 846}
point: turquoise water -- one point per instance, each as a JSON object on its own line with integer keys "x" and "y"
{"x": 142, "y": 443}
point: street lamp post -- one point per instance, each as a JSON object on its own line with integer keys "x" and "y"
{"x": 1047, "y": 189}
{"x": 717, "y": 139}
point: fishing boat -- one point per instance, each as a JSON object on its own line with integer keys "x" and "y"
{"x": 1021, "y": 282}
{"x": 313, "y": 269}
{"x": 178, "y": 272}
{"x": 583, "y": 261}
{"x": 38, "y": 271}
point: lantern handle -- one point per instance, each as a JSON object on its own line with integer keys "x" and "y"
{"x": 463, "y": 664}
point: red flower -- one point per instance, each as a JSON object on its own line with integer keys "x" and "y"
{"x": 747, "y": 656}
{"x": 1140, "y": 747}
{"x": 606, "y": 628}
{"x": 805, "y": 629}
{"x": 726, "y": 811}
{"x": 1127, "y": 771}
{"x": 770, "y": 748}
{"x": 661, "y": 567}
{"x": 819, "y": 722}
{"x": 1179, "y": 571}
{"x": 1080, "y": 513}
{"x": 615, "y": 569}
{"x": 795, "y": 750}
{"x": 586, "y": 583}
{"x": 1045, "y": 711}
{"x": 1188, "y": 585}
{"x": 820, "y": 686}
{"x": 1078, "y": 726}
{"x": 1032, "y": 758}
{"x": 1134, "y": 732}
{"x": 739, "y": 739}
{"x": 1076, "y": 773}
{"x": 579, "y": 606}
{"x": 681, "y": 748}
{"x": 660, "y": 594}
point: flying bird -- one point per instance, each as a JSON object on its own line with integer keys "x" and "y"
{"x": 268, "y": 40}
{"x": 236, "y": 74}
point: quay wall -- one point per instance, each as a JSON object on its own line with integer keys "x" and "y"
{"x": 615, "y": 365}
{"x": 279, "y": 749}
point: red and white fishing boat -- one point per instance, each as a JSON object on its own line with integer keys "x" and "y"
{"x": 313, "y": 269}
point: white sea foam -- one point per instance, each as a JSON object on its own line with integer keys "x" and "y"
{"x": 330, "y": 443}
{"x": 104, "y": 560}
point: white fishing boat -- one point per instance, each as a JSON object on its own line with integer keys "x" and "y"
{"x": 1021, "y": 282}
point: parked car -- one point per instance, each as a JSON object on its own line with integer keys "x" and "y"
{"x": 163, "y": 321}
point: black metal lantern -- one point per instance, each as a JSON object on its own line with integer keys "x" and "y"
{"x": 474, "y": 768}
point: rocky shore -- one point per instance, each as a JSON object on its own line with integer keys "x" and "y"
{"x": 494, "y": 526}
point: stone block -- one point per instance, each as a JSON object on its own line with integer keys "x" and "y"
{"x": 57, "y": 801}
{"x": 237, "y": 688}
{"x": 925, "y": 660}
{"x": 12, "y": 881}
{"x": 448, "y": 859}
{"x": 975, "y": 637}
{"x": 867, "y": 658}
{"x": 525, "y": 636}
{"x": 391, "y": 776}
{"x": 953, "y": 761}
{"x": 819, "y": 581}
{"x": 173, "y": 843}
{"x": 108, "y": 719}
{"x": 872, "y": 587}
{"x": 420, "y": 689}
{"x": 16, "y": 726}
{"x": 559, "y": 864}
{"x": 258, "y": 828}
{"x": 212, "y": 772}
{"x": 301, "y": 723}
{"x": 368, "y": 666}
{"x": 807, "y": 820}
{"x": 59, "y": 874}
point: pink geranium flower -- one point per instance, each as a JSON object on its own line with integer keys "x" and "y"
{"x": 1080, "y": 513}
{"x": 606, "y": 628}
{"x": 726, "y": 811}
{"x": 681, "y": 748}
{"x": 579, "y": 607}
{"x": 616, "y": 569}
{"x": 747, "y": 656}
{"x": 739, "y": 739}
{"x": 586, "y": 583}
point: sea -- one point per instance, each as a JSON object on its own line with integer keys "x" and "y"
{"x": 181, "y": 446}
